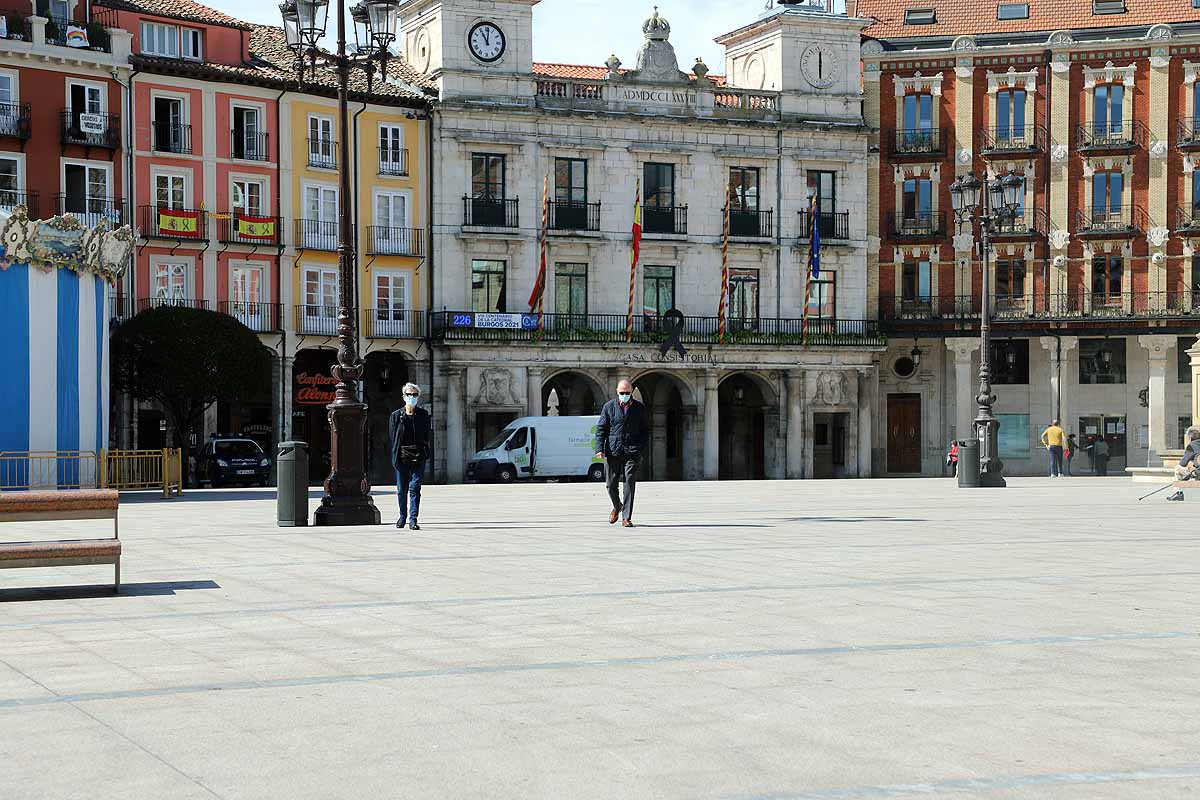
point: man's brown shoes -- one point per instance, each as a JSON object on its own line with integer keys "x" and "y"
{"x": 625, "y": 523}
{"x": 613, "y": 517}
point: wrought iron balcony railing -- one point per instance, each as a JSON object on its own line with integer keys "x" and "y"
{"x": 10, "y": 199}
{"x": 919, "y": 142}
{"x": 16, "y": 120}
{"x": 566, "y": 216}
{"x": 170, "y": 137}
{"x": 393, "y": 160}
{"x": 832, "y": 226}
{"x": 1126, "y": 220}
{"x": 1092, "y": 306}
{"x": 249, "y": 146}
{"x": 236, "y": 227}
{"x": 91, "y": 130}
{"x": 1111, "y": 136}
{"x": 665, "y": 219}
{"x": 1030, "y": 222}
{"x": 91, "y": 210}
{"x": 65, "y": 32}
{"x": 1187, "y": 218}
{"x": 258, "y": 317}
{"x": 490, "y": 212}
{"x": 147, "y": 303}
{"x": 1187, "y": 133}
{"x": 751, "y": 223}
{"x": 315, "y": 234}
{"x": 322, "y": 153}
{"x": 926, "y": 225}
{"x": 160, "y": 222}
{"x": 393, "y": 323}
{"x": 384, "y": 241}
{"x": 316, "y": 320}
{"x": 1012, "y": 139}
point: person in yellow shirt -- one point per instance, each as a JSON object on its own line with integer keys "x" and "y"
{"x": 1053, "y": 439}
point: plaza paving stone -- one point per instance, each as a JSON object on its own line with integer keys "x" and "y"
{"x": 750, "y": 641}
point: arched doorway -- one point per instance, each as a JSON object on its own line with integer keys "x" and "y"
{"x": 312, "y": 390}
{"x": 384, "y": 377}
{"x": 571, "y": 394}
{"x": 742, "y": 432}
{"x": 668, "y": 403}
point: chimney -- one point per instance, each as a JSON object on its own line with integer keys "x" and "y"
{"x": 851, "y": 8}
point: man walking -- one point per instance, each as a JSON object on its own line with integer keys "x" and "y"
{"x": 621, "y": 436}
{"x": 1053, "y": 439}
{"x": 1187, "y": 467}
{"x": 410, "y": 430}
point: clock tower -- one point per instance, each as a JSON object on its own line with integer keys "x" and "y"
{"x": 471, "y": 49}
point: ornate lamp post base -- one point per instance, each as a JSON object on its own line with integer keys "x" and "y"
{"x": 347, "y": 499}
{"x": 346, "y": 511}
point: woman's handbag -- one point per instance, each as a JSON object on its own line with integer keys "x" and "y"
{"x": 411, "y": 454}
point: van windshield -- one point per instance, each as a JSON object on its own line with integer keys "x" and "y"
{"x": 238, "y": 448}
{"x": 499, "y": 439}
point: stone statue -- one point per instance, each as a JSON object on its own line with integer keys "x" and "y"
{"x": 656, "y": 61}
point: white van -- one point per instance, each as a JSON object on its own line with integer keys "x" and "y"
{"x": 540, "y": 447}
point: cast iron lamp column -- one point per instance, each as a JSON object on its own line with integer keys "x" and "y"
{"x": 347, "y": 499}
{"x": 993, "y": 203}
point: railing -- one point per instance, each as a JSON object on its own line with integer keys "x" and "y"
{"x": 832, "y": 225}
{"x": 899, "y": 308}
{"x": 237, "y": 228}
{"x": 123, "y": 470}
{"x": 1122, "y": 221}
{"x": 565, "y": 216}
{"x": 751, "y": 223}
{"x": 171, "y": 137}
{"x": 1097, "y": 306}
{"x": 147, "y": 303}
{"x": 58, "y": 31}
{"x": 120, "y": 308}
{"x": 587, "y": 93}
{"x": 1032, "y": 222}
{"x": 1012, "y": 139}
{"x": 91, "y": 210}
{"x": 1187, "y": 218}
{"x": 158, "y": 222}
{"x": 1108, "y": 135}
{"x": 258, "y": 317}
{"x": 745, "y": 103}
{"x": 315, "y": 234}
{"x": 929, "y": 225}
{"x": 598, "y": 94}
{"x": 664, "y": 219}
{"x": 393, "y": 160}
{"x": 249, "y": 146}
{"x": 10, "y": 199}
{"x": 15, "y": 120}
{"x": 649, "y": 329}
{"x": 322, "y": 153}
{"x": 383, "y": 241}
{"x": 316, "y": 320}
{"x": 91, "y": 130}
{"x": 918, "y": 142}
{"x": 391, "y": 323}
{"x": 487, "y": 212}
{"x": 1187, "y": 132}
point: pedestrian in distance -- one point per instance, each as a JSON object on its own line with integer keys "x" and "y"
{"x": 1069, "y": 453}
{"x": 1053, "y": 439}
{"x": 1100, "y": 456}
{"x": 410, "y": 430}
{"x": 621, "y": 436}
{"x": 1189, "y": 465}
{"x": 952, "y": 458}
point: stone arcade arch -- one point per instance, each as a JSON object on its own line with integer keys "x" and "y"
{"x": 384, "y": 375}
{"x": 671, "y": 408}
{"x": 749, "y": 427}
{"x": 578, "y": 393}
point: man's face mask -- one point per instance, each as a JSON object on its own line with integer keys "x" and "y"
{"x": 624, "y": 396}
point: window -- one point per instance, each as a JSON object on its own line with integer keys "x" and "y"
{"x": 1010, "y": 115}
{"x": 392, "y": 158}
{"x": 1012, "y": 11}
{"x": 1108, "y": 109}
{"x": 8, "y": 87}
{"x": 570, "y": 292}
{"x": 1010, "y": 281}
{"x": 1107, "y": 194}
{"x": 391, "y": 223}
{"x": 915, "y": 281}
{"x": 658, "y": 290}
{"x": 320, "y": 300}
{"x": 170, "y": 283}
{"x": 1101, "y": 361}
{"x": 824, "y": 185}
{"x": 391, "y": 304}
{"x": 87, "y": 194}
{"x": 1108, "y": 6}
{"x": 246, "y": 285}
{"x": 659, "y": 181}
{"x": 743, "y": 181}
{"x": 917, "y": 200}
{"x": 170, "y": 191}
{"x": 160, "y": 40}
{"x": 1196, "y": 196}
{"x": 570, "y": 180}
{"x": 920, "y": 16}
{"x": 487, "y": 285}
{"x": 168, "y": 128}
{"x": 1010, "y": 361}
{"x": 487, "y": 176}
{"x": 1107, "y": 272}
{"x": 918, "y": 114}
{"x": 1183, "y": 360}
{"x": 822, "y": 299}
{"x": 10, "y": 183}
{"x": 189, "y": 43}
{"x": 86, "y": 99}
{"x": 246, "y": 141}
{"x": 322, "y": 151}
{"x": 743, "y": 296}
{"x": 247, "y": 198}
{"x": 320, "y": 223}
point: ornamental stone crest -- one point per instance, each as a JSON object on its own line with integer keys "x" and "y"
{"x": 831, "y": 389}
{"x": 964, "y": 43}
{"x": 1061, "y": 39}
{"x": 871, "y": 47}
{"x": 1058, "y": 153}
{"x": 1059, "y": 238}
{"x": 1158, "y": 149}
{"x": 1157, "y": 237}
{"x": 1160, "y": 32}
{"x": 496, "y": 387}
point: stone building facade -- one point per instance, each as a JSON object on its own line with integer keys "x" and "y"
{"x": 786, "y": 116}
{"x": 1094, "y": 105}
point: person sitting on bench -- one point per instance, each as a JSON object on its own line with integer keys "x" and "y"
{"x": 1190, "y": 463}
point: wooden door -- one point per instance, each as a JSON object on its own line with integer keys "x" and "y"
{"x": 904, "y": 433}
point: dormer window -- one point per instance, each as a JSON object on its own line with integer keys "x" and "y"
{"x": 1012, "y": 11}
{"x": 171, "y": 41}
{"x": 1108, "y": 6}
{"x": 922, "y": 16}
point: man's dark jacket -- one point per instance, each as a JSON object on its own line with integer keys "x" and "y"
{"x": 411, "y": 430}
{"x": 622, "y": 434}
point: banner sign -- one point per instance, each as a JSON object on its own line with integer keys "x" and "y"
{"x": 515, "y": 322}
{"x": 94, "y": 124}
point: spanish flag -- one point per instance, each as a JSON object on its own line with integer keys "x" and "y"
{"x": 179, "y": 222}
{"x": 256, "y": 227}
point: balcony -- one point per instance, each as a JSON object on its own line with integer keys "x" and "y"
{"x": 1187, "y": 219}
{"x": 1187, "y": 133}
{"x": 393, "y": 323}
{"x": 753, "y": 224}
{"x": 258, "y": 317}
{"x": 314, "y": 234}
{"x": 159, "y": 222}
{"x": 323, "y": 153}
{"x": 1033, "y": 222}
{"x": 918, "y": 143}
{"x": 170, "y": 137}
{"x": 833, "y": 226}
{"x": 1096, "y": 307}
{"x": 66, "y": 32}
{"x": 565, "y": 216}
{"x": 610, "y": 329}
{"x": 249, "y": 146}
{"x": 92, "y": 210}
{"x": 15, "y": 121}
{"x": 1098, "y": 136}
{"x": 1122, "y": 222}
{"x": 911, "y": 227}
{"x": 91, "y": 130}
{"x": 235, "y": 227}
{"x": 921, "y": 309}
{"x": 316, "y": 320}
{"x": 393, "y": 161}
{"x": 1012, "y": 140}
{"x": 147, "y": 303}
{"x": 664, "y": 219}
{"x": 10, "y": 199}
{"x": 488, "y": 212}
{"x": 382, "y": 241}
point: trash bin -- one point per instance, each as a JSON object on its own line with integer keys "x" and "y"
{"x": 968, "y": 463}
{"x": 292, "y": 484}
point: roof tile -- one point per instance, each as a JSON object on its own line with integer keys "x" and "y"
{"x": 187, "y": 10}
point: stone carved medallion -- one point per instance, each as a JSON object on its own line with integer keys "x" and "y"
{"x": 831, "y": 389}
{"x": 495, "y": 387}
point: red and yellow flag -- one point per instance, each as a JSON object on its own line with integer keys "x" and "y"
{"x": 637, "y": 249}
{"x": 537, "y": 296}
{"x": 256, "y": 227}
{"x": 179, "y": 222}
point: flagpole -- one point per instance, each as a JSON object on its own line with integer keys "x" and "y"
{"x": 542, "y": 268}
{"x": 721, "y": 308}
{"x": 633, "y": 261}
{"x": 812, "y": 224}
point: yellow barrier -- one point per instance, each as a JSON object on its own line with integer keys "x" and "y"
{"x": 78, "y": 469}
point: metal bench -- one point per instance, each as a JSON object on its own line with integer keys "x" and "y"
{"x": 55, "y": 506}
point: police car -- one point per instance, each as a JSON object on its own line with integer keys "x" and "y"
{"x": 228, "y": 460}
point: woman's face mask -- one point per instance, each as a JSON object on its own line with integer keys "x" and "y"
{"x": 410, "y": 400}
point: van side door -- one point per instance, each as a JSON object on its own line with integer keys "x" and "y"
{"x": 520, "y": 452}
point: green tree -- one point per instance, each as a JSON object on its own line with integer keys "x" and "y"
{"x": 186, "y": 359}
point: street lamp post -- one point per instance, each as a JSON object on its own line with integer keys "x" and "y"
{"x": 347, "y": 499}
{"x": 991, "y": 202}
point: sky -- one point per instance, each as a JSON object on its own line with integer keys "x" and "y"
{"x": 587, "y": 31}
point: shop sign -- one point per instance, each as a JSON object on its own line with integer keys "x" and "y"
{"x": 314, "y": 389}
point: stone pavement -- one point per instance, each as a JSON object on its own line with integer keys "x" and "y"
{"x": 825, "y": 640}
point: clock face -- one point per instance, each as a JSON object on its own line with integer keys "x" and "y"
{"x": 486, "y": 41}
{"x": 820, "y": 66}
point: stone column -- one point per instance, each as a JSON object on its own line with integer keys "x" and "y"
{"x": 1194, "y": 359}
{"x": 454, "y": 424}
{"x": 795, "y": 424}
{"x": 1158, "y": 348}
{"x": 712, "y": 421}
{"x": 1051, "y": 345}
{"x": 866, "y": 415}
{"x": 533, "y": 385}
{"x": 1160, "y": 124}
{"x": 965, "y": 385}
{"x": 285, "y": 424}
